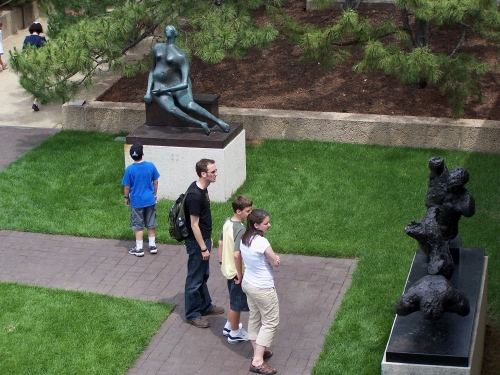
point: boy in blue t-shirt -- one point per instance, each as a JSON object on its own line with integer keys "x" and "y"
{"x": 140, "y": 185}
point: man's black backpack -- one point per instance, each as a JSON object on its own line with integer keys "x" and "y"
{"x": 177, "y": 219}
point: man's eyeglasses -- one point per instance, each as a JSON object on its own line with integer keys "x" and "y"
{"x": 212, "y": 172}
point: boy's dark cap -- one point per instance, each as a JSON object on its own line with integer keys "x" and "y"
{"x": 136, "y": 151}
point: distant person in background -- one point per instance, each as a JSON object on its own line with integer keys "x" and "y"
{"x": 4, "y": 65}
{"x": 36, "y": 40}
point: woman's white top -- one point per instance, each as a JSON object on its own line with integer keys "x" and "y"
{"x": 258, "y": 272}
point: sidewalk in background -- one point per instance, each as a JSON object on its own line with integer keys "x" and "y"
{"x": 15, "y": 102}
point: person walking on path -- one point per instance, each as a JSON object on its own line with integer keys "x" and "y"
{"x": 232, "y": 268}
{"x": 258, "y": 285}
{"x": 2, "y": 64}
{"x": 198, "y": 302}
{"x": 34, "y": 39}
{"x": 140, "y": 186}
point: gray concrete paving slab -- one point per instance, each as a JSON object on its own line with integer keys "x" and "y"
{"x": 17, "y": 140}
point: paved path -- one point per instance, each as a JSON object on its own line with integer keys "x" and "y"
{"x": 15, "y": 102}
{"x": 16, "y": 140}
{"x": 309, "y": 288}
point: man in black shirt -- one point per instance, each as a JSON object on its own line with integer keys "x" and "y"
{"x": 199, "y": 243}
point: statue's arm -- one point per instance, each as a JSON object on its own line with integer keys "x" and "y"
{"x": 185, "y": 72}
{"x": 147, "y": 97}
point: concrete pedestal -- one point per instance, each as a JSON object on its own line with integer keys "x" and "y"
{"x": 175, "y": 151}
{"x": 451, "y": 346}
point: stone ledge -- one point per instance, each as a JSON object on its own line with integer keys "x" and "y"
{"x": 407, "y": 131}
{"x": 15, "y": 18}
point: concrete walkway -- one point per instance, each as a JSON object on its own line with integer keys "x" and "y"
{"x": 15, "y": 102}
{"x": 309, "y": 288}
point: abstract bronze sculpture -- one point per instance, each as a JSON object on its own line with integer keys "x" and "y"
{"x": 447, "y": 201}
{"x": 433, "y": 296}
{"x": 170, "y": 86}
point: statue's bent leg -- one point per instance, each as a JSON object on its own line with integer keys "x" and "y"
{"x": 168, "y": 106}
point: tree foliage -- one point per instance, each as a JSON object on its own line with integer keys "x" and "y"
{"x": 405, "y": 50}
{"x": 84, "y": 36}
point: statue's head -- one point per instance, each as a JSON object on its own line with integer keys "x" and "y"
{"x": 436, "y": 165}
{"x": 171, "y": 31}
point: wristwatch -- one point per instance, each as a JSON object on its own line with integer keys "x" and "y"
{"x": 126, "y": 197}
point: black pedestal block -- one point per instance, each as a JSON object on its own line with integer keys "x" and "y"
{"x": 176, "y": 136}
{"x": 447, "y": 341}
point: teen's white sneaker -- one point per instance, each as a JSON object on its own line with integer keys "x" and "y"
{"x": 226, "y": 331}
{"x": 241, "y": 336}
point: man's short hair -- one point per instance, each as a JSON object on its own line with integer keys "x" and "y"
{"x": 202, "y": 166}
{"x": 241, "y": 202}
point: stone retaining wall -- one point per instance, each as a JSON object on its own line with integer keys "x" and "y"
{"x": 18, "y": 17}
{"x": 407, "y": 131}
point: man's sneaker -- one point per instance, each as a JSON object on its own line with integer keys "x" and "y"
{"x": 137, "y": 252}
{"x": 241, "y": 336}
{"x": 226, "y": 331}
{"x": 4, "y": 66}
{"x": 199, "y": 322}
{"x": 216, "y": 310}
{"x": 153, "y": 249}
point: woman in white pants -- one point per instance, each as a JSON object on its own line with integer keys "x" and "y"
{"x": 258, "y": 285}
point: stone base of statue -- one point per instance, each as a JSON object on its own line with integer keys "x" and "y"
{"x": 454, "y": 344}
{"x": 175, "y": 149}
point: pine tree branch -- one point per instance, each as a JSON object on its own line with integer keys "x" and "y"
{"x": 144, "y": 35}
{"x": 99, "y": 62}
{"x": 460, "y": 42}
{"x": 407, "y": 28}
{"x": 89, "y": 73}
{"x": 356, "y": 41}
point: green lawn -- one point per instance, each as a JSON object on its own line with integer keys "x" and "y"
{"x": 328, "y": 199}
{"x": 51, "y": 331}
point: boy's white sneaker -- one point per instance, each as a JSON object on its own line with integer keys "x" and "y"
{"x": 242, "y": 335}
{"x": 226, "y": 331}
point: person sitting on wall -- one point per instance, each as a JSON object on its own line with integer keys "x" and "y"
{"x": 169, "y": 80}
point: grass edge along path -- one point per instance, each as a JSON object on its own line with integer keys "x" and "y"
{"x": 326, "y": 199}
{"x": 56, "y": 331}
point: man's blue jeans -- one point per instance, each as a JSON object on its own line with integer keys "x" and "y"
{"x": 196, "y": 295}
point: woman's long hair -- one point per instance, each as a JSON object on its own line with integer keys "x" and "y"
{"x": 257, "y": 216}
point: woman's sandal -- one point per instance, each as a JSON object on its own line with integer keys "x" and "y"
{"x": 264, "y": 369}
